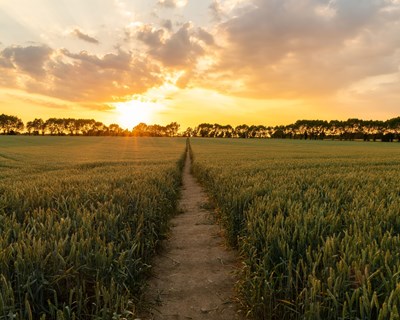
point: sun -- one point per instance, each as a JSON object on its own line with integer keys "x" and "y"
{"x": 133, "y": 112}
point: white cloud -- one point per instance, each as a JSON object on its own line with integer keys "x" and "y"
{"x": 173, "y": 3}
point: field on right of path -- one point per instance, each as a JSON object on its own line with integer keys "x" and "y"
{"x": 317, "y": 224}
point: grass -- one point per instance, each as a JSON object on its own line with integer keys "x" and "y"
{"x": 80, "y": 219}
{"x": 317, "y": 224}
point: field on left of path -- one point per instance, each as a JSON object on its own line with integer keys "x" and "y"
{"x": 80, "y": 217}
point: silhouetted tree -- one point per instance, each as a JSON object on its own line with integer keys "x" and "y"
{"x": 242, "y": 131}
{"x": 37, "y": 126}
{"x": 55, "y": 126}
{"x": 172, "y": 129}
{"x": 203, "y": 130}
{"x": 140, "y": 130}
{"x": 188, "y": 132}
{"x": 225, "y": 131}
{"x": 349, "y": 129}
{"x": 115, "y": 130}
{"x": 11, "y": 124}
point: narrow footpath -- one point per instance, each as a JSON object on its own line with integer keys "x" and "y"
{"x": 193, "y": 276}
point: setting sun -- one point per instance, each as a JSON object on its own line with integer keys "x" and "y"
{"x": 133, "y": 112}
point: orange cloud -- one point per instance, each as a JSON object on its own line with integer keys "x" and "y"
{"x": 79, "y": 77}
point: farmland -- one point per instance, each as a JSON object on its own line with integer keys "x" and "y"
{"x": 80, "y": 219}
{"x": 317, "y": 224}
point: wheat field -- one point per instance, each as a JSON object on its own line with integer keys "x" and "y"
{"x": 317, "y": 224}
{"x": 80, "y": 220}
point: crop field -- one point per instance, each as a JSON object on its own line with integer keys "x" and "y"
{"x": 317, "y": 224}
{"x": 79, "y": 220}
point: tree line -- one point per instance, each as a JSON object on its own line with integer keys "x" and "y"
{"x": 12, "y": 125}
{"x": 351, "y": 129}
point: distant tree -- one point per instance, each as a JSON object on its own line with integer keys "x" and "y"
{"x": 11, "y": 124}
{"x": 172, "y": 129}
{"x": 188, "y": 132}
{"x": 38, "y": 126}
{"x": 223, "y": 131}
{"x": 279, "y": 132}
{"x": 227, "y": 131}
{"x": 50, "y": 125}
{"x": 242, "y": 131}
{"x": 98, "y": 129}
{"x": 393, "y": 125}
{"x": 83, "y": 126}
{"x": 203, "y": 130}
{"x": 115, "y": 130}
{"x": 70, "y": 125}
{"x": 86, "y": 126}
{"x": 55, "y": 126}
{"x": 29, "y": 126}
{"x": 140, "y": 130}
{"x": 156, "y": 130}
{"x": 260, "y": 131}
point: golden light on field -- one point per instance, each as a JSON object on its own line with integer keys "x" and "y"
{"x": 135, "y": 111}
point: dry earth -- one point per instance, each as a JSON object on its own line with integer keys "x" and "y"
{"x": 193, "y": 277}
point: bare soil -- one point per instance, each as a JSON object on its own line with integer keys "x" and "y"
{"x": 194, "y": 274}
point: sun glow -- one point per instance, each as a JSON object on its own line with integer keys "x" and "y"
{"x": 133, "y": 112}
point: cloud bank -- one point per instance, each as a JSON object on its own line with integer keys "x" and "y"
{"x": 286, "y": 49}
{"x": 79, "y": 77}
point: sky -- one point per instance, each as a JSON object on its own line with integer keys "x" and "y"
{"x": 264, "y": 62}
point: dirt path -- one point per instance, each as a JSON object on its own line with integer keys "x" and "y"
{"x": 193, "y": 276}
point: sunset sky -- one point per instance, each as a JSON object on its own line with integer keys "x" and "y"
{"x": 192, "y": 61}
